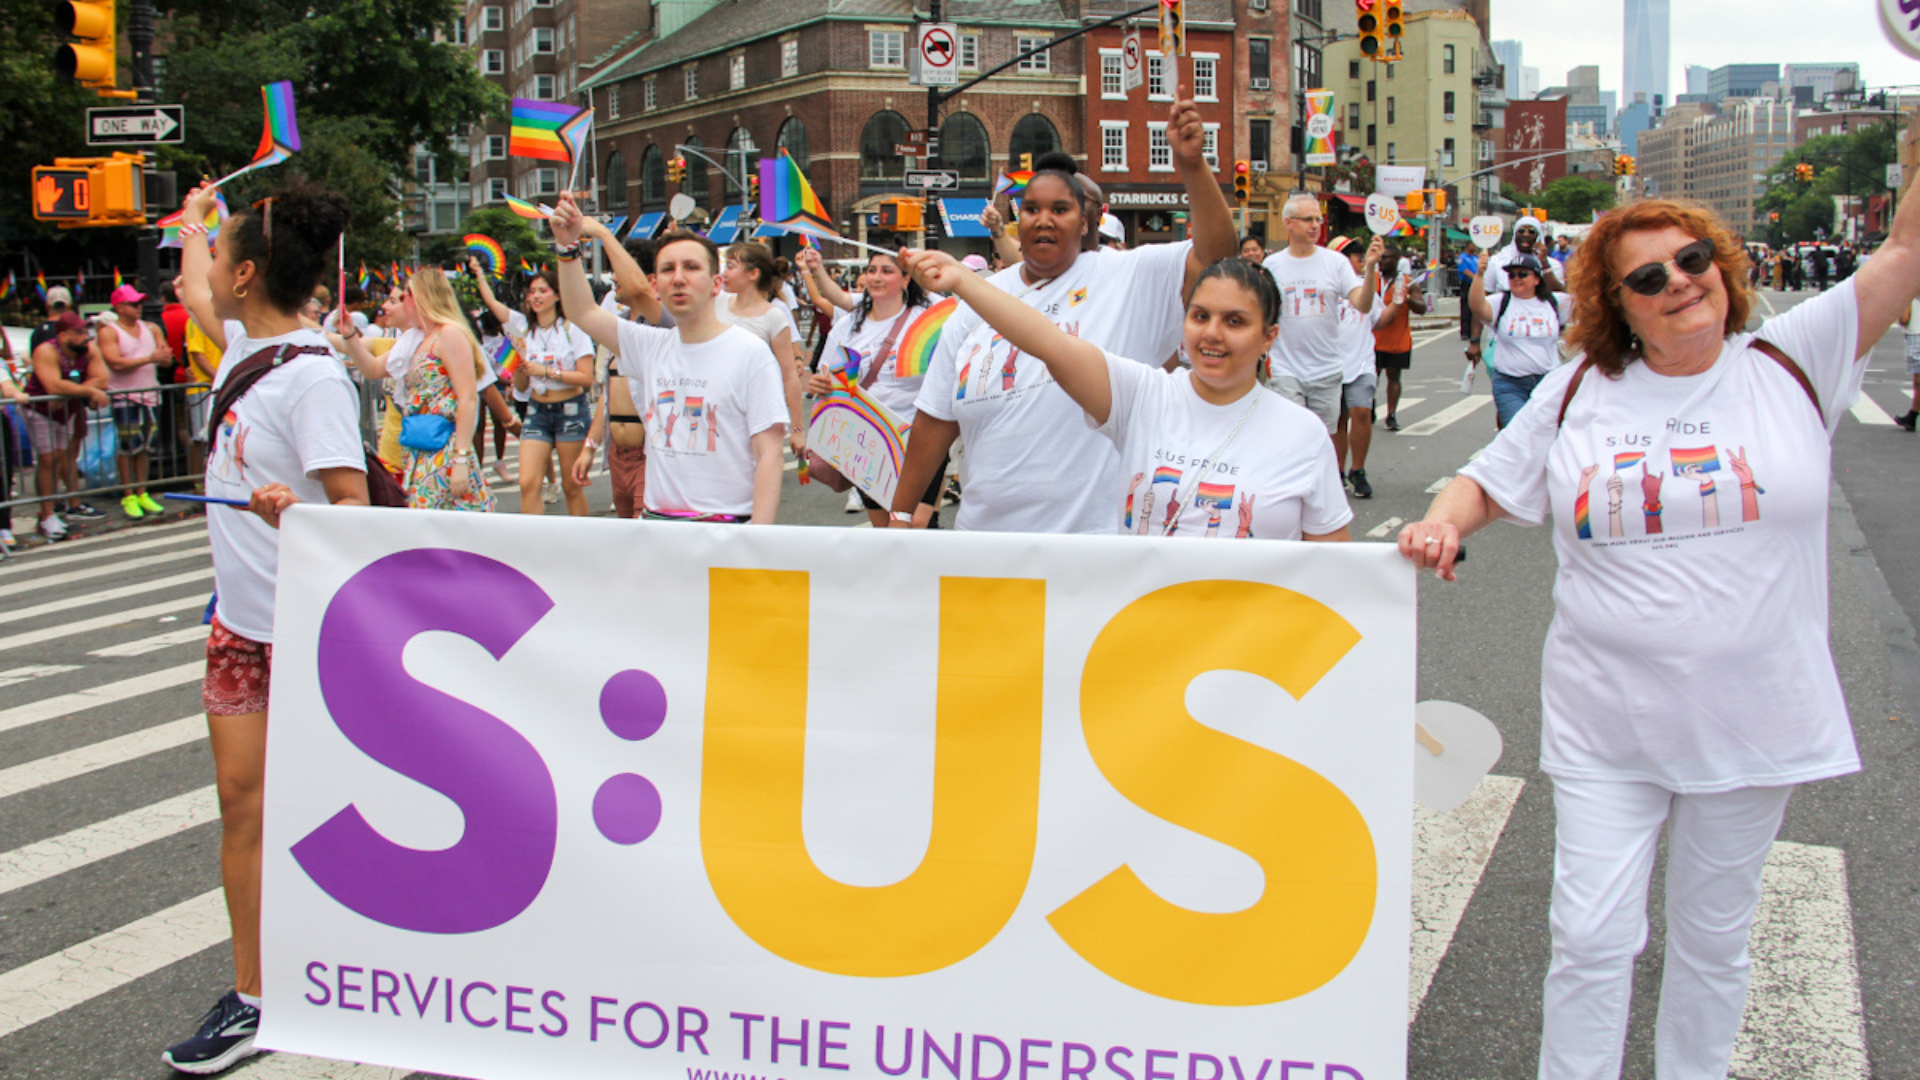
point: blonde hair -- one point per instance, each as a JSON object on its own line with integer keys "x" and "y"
{"x": 433, "y": 298}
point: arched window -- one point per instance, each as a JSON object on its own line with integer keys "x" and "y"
{"x": 963, "y": 147}
{"x": 653, "y": 178}
{"x": 741, "y": 154}
{"x": 695, "y": 184}
{"x": 877, "y": 139}
{"x": 616, "y": 180}
{"x": 1034, "y": 134}
{"x": 793, "y": 139}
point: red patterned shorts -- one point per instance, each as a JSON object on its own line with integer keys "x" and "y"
{"x": 238, "y": 671}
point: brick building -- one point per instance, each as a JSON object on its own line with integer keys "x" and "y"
{"x": 1534, "y": 127}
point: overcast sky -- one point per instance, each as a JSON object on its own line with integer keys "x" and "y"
{"x": 1559, "y": 35}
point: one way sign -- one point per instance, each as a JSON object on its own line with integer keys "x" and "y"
{"x": 136, "y": 125}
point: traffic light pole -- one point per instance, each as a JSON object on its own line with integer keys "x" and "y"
{"x": 146, "y": 238}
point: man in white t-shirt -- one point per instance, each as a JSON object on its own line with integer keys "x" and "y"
{"x": 1526, "y": 242}
{"x": 1306, "y": 358}
{"x": 712, "y": 394}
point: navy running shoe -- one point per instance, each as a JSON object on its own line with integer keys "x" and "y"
{"x": 225, "y": 1036}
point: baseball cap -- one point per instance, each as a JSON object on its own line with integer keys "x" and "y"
{"x": 1111, "y": 228}
{"x": 975, "y": 263}
{"x": 58, "y": 295}
{"x": 126, "y": 294}
{"x": 68, "y": 320}
{"x": 1524, "y": 262}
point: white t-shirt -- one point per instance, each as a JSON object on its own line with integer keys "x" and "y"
{"x": 1032, "y": 463}
{"x": 1689, "y": 640}
{"x": 1275, "y": 480}
{"x": 297, "y": 420}
{"x": 766, "y": 326}
{"x": 1495, "y": 276}
{"x": 561, "y": 345}
{"x": 1527, "y": 337}
{"x": 888, "y": 388}
{"x": 702, "y": 405}
{"x": 1311, "y": 289}
{"x": 1356, "y": 339}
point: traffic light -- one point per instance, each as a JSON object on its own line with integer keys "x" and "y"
{"x": 1026, "y": 162}
{"x": 1774, "y": 217}
{"x": 94, "y": 58}
{"x": 753, "y": 188}
{"x": 1803, "y": 172}
{"x": 902, "y": 215}
{"x": 1242, "y": 182}
{"x": 1395, "y": 27}
{"x": 1633, "y": 167}
{"x": 1416, "y": 202}
{"x": 1369, "y": 23}
{"x": 1439, "y": 200}
{"x": 80, "y": 192}
{"x": 676, "y": 169}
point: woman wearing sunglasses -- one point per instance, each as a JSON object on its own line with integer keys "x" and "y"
{"x": 1526, "y": 321}
{"x": 1686, "y": 681}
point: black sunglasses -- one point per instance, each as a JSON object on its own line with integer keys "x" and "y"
{"x": 1693, "y": 260}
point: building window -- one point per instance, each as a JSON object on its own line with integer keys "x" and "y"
{"x": 460, "y": 31}
{"x": 613, "y": 102}
{"x": 1210, "y": 145}
{"x": 1034, "y": 134}
{"x": 1309, "y": 8}
{"x": 616, "y": 179}
{"x": 1446, "y": 152}
{"x": 1392, "y": 155}
{"x": 1353, "y": 69}
{"x": 423, "y": 168}
{"x": 695, "y": 183}
{"x": 693, "y": 82}
{"x": 1159, "y": 151}
{"x": 1370, "y": 88}
{"x": 886, "y": 49}
{"x": 1371, "y": 135}
{"x": 496, "y": 147}
{"x": 877, "y": 159}
{"x": 653, "y": 177}
{"x": 789, "y": 58}
{"x": 1390, "y": 68}
{"x": 1037, "y": 62}
{"x": 1260, "y": 61}
{"x": 736, "y": 71}
{"x": 1157, "y": 78}
{"x": 1446, "y": 59}
{"x": 1353, "y": 116}
{"x": 543, "y": 88}
{"x": 496, "y": 188}
{"x": 964, "y": 147}
{"x": 1206, "y": 81}
{"x": 493, "y": 62}
{"x": 493, "y": 18}
{"x": 793, "y": 139}
{"x": 970, "y": 52}
{"x": 1390, "y": 109}
{"x": 1113, "y": 146}
{"x": 1260, "y": 140}
{"x": 542, "y": 40}
{"x": 1306, "y": 66}
{"x": 546, "y": 181}
{"x": 1112, "y": 74}
{"x": 1446, "y": 104}
{"x": 650, "y": 94}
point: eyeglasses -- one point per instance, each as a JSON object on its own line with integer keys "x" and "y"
{"x": 1693, "y": 260}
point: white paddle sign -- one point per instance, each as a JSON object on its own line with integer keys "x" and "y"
{"x": 1485, "y": 231}
{"x": 1456, "y": 749}
{"x": 1383, "y": 214}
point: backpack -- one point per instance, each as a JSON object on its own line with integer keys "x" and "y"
{"x": 382, "y": 488}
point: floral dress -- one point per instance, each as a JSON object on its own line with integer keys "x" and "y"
{"x": 429, "y": 477}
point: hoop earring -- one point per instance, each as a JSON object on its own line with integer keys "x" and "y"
{"x": 239, "y": 294}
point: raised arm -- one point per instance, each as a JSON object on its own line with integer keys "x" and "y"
{"x": 196, "y": 293}
{"x": 1214, "y": 237}
{"x": 500, "y": 311}
{"x": 1361, "y": 295}
{"x": 630, "y": 284}
{"x": 1886, "y": 284}
{"x": 1477, "y": 298}
{"x": 820, "y": 283}
{"x": 575, "y": 293}
{"x": 1079, "y": 366}
{"x": 1005, "y": 244}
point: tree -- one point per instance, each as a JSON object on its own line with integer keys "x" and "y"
{"x": 1854, "y": 163}
{"x": 1575, "y": 199}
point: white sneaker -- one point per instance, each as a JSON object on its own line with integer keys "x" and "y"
{"x": 853, "y": 501}
{"x": 500, "y": 470}
{"x": 549, "y": 493}
{"x": 53, "y": 528}
{"x": 6, "y": 538}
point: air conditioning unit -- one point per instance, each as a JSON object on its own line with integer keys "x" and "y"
{"x": 1256, "y": 5}
{"x": 1448, "y": 117}
{"x": 1259, "y": 166}
{"x": 1262, "y": 84}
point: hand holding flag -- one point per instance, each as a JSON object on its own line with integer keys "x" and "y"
{"x": 279, "y": 134}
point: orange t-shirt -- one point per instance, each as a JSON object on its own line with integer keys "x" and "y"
{"x": 1394, "y": 335}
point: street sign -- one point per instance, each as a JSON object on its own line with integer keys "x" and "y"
{"x": 1133, "y": 71}
{"x": 934, "y": 179}
{"x": 136, "y": 125}
{"x": 909, "y": 149}
{"x": 938, "y": 47}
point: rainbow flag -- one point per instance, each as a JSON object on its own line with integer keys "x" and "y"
{"x": 917, "y": 344}
{"x": 524, "y": 268}
{"x": 1012, "y": 183}
{"x": 1582, "y": 518}
{"x": 1214, "y": 496}
{"x": 117, "y": 279}
{"x": 1704, "y": 458}
{"x": 1166, "y": 474}
{"x": 79, "y": 284}
{"x": 507, "y": 359}
{"x": 851, "y": 363}
{"x": 6, "y": 287}
{"x": 527, "y": 209}
{"x": 548, "y": 130}
{"x": 170, "y": 225}
{"x": 365, "y": 278}
{"x": 279, "y": 133}
{"x": 40, "y": 285}
{"x": 488, "y": 250}
{"x": 1624, "y": 461}
{"x": 786, "y": 197}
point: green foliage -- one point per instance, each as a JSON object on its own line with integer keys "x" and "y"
{"x": 1854, "y": 163}
{"x": 1574, "y": 199}
{"x": 41, "y": 118}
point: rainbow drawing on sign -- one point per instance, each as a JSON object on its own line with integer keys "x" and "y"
{"x": 860, "y": 438}
{"x": 1627, "y": 460}
{"x": 1320, "y": 128}
{"x": 918, "y": 343}
{"x": 492, "y": 256}
{"x": 1166, "y": 474}
{"x": 1704, "y": 458}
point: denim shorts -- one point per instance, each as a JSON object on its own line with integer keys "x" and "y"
{"x": 1510, "y": 392}
{"x": 135, "y": 425}
{"x": 558, "y": 421}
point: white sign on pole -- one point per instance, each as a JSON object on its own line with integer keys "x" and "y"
{"x": 1397, "y": 180}
{"x": 1133, "y": 67}
{"x": 1485, "y": 231}
{"x": 1383, "y": 214}
{"x": 1895, "y": 175}
{"x": 803, "y": 789}
{"x": 938, "y": 47}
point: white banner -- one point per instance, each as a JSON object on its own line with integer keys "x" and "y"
{"x": 595, "y": 798}
{"x": 1396, "y": 180}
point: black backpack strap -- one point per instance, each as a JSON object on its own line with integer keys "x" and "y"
{"x": 249, "y": 371}
{"x": 1505, "y": 299}
{"x": 1779, "y": 356}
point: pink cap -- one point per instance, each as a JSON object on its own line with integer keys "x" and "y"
{"x": 126, "y": 294}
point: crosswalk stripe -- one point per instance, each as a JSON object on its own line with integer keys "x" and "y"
{"x": 1458, "y": 410}
{"x": 98, "y": 572}
{"x": 93, "y": 697}
{"x": 1868, "y": 411}
{"x": 33, "y": 564}
{"x": 85, "y": 759}
{"x": 103, "y": 596}
{"x": 19, "y": 675}
{"x": 192, "y": 633}
{"x": 1439, "y": 485}
{"x": 56, "y": 855}
{"x": 1380, "y": 531}
{"x": 1804, "y": 1016}
{"x": 30, "y": 558}
{"x": 297, "y": 1067}
{"x": 102, "y": 622}
{"x": 1450, "y": 851}
{"x": 1380, "y": 398}
{"x": 53, "y": 984}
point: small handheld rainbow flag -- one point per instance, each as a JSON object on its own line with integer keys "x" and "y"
{"x": 1704, "y": 458}
{"x": 524, "y": 268}
{"x": 1627, "y": 460}
{"x": 40, "y": 285}
{"x": 917, "y": 344}
{"x": 787, "y": 198}
{"x": 170, "y": 225}
{"x": 492, "y": 256}
{"x": 117, "y": 279}
{"x": 531, "y": 210}
{"x": 548, "y": 130}
{"x": 853, "y": 360}
{"x": 1012, "y": 183}
{"x": 365, "y": 278}
{"x": 279, "y": 133}
{"x": 507, "y": 359}
{"x": 6, "y": 287}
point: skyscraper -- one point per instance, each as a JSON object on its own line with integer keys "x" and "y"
{"x": 1644, "y": 61}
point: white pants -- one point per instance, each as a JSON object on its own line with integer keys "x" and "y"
{"x": 1605, "y": 833}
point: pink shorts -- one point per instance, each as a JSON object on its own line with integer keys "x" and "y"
{"x": 238, "y": 672}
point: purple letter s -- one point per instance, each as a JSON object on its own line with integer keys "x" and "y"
{"x": 493, "y": 774}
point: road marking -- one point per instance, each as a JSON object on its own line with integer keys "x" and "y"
{"x": 182, "y": 636}
{"x": 1458, "y": 410}
{"x": 56, "y": 855}
{"x": 93, "y": 697}
{"x": 1803, "y": 1017}
{"x": 1432, "y": 336}
{"x": 90, "y": 599}
{"x": 53, "y": 984}
{"x": 33, "y": 671}
{"x": 1406, "y": 402}
{"x": 102, "y": 622}
{"x": 29, "y": 563}
{"x": 88, "y": 541}
{"x": 1450, "y": 852}
{"x": 296, "y": 1067}
{"x": 85, "y": 759}
{"x": 94, "y": 573}
{"x": 1868, "y": 411}
{"x": 1380, "y": 531}
{"x": 1439, "y": 485}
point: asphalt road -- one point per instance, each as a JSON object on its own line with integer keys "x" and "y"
{"x": 111, "y": 940}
